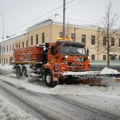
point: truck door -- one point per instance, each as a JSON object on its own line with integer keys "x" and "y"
{"x": 53, "y": 57}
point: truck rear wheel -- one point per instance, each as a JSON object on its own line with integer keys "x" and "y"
{"x": 49, "y": 79}
{"x": 24, "y": 73}
{"x": 18, "y": 73}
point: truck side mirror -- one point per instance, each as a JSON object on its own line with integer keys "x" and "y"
{"x": 46, "y": 45}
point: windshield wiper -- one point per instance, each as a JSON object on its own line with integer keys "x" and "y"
{"x": 78, "y": 53}
{"x": 69, "y": 53}
{"x": 72, "y": 52}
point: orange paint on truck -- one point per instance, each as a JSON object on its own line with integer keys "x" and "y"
{"x": 51, "y": 60}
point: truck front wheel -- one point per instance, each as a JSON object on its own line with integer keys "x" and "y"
{"x": 49, "y": 79}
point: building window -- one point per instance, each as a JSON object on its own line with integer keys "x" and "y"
{"x": 92, "y": 40}
{"x": 31, "y": 40}
{"x": 43, "y": 37}
{"x": 92, "y": 57}
{"x": 16, "y": 45}
{"x": 13, "y": 47}
{"x": 119, "y": 57}
{"x": 119, "y": 42}
{"x": 113, "y": 56}
{"x": 6, "y": 60}
{"x": 104, "y": 57}
{"x": 104, "y": 41}
{"x": 73, "y": 36}
{"x": 22, "y": 44}
{"x": 7, "y": 48}
{"x": 112, "y": 41}
{"x": 83, "y": 40}
{"x": 10, "y": 47}
{"x": 61, "y": 34}
{"x": 27, "y": 43}
{"x": 0, "y": 49}
{"x": 19, "y": 44}
{"x": 36, "y": 38}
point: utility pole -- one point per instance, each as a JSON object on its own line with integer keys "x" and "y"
{"x": 64, "y": 2}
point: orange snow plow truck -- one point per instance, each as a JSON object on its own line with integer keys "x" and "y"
{"x": 54, "y": 62}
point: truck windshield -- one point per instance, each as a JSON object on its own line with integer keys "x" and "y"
{"x": 76, "y": 50}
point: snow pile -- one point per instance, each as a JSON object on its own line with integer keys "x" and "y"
{"x": 108, "y": 71}
{"x": 38, "y": 86}
{"x": 8, "y": 111}
{"x": 86, "y": 90}
{"x": 20, "y": 83}
{"x": 6, "y": 67}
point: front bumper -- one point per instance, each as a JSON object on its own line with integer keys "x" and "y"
{"x": 80, "y": 75}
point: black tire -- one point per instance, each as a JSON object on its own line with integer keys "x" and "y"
{"x": 18, "y": 73}
{"x": 49, "y": 79}
{"x": 24, "y": 73}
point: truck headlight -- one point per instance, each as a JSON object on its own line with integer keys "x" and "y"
{"x": 56, "y": 67}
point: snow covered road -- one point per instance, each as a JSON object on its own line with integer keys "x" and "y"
{"x": 105, "y": 99}
{"x": 54, "y": 107}
{"x": 9, "y": 111}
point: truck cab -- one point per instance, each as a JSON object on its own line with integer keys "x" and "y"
{"x": 65, "y": 56}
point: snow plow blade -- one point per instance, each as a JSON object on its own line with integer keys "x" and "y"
{"x": 92, "y": 78}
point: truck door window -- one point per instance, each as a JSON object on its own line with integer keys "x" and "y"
{"x": 54, "y": 50}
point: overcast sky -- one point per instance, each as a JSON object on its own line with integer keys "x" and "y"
{"x": 18, "y": 13}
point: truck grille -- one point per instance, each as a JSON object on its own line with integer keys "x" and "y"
{"x": 76, "y": 67}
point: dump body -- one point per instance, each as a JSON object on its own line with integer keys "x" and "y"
{"x": 27, "y": 55}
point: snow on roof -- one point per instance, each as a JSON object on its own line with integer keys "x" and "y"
{"x": 14, "y": 36}
{"x": 75, "y": 21}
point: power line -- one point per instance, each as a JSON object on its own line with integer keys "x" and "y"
{"x": 40, "y": 17}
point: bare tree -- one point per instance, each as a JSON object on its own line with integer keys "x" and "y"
{"x": 108, "y": 34}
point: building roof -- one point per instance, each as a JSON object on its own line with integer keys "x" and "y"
{"x": 78, "y": 23}
{"x": 15, "y": 37}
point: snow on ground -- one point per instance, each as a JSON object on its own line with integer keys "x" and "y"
{"x": 8, "y": 111}
{"x": 109, "y": 71}
{"x": 103, "y": 98}
{"x": 113, "y": 89}
{"x": 6, "y": 67}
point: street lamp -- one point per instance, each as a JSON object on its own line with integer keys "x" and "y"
{"x": 64, "y": 3}
{"x": 3, "y": 39}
